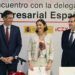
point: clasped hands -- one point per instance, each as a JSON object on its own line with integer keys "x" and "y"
{"x": 47, "y": 67}
{"x": 7, "y": 60}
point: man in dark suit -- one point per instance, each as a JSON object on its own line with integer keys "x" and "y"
{"x": 68, "y": 44}
{"x": 10, "y": 44}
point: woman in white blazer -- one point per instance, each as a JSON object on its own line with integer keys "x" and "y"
{"x": 40, "y": 53}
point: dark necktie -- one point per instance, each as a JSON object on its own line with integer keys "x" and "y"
{"x": 71, "y": 38}
{"x": 7, "y": 35}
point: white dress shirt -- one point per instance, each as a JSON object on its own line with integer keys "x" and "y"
{"x": 73, "y": 35}
{"x": 9, "y": 29}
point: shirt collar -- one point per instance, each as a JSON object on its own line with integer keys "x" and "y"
{"x": 7, "y": 26}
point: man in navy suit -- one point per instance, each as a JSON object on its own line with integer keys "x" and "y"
{"x": 10, "y": 44}
{"x": 68, "y": 44}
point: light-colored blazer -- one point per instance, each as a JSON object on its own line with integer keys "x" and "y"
{"x": 33, "y": 47}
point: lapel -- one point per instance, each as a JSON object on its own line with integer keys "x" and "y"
{"x": 73, "y": 43}
{"x": 67, "y": 35}
{"x": 3, "y": 33}
{"x": 11, "y": 33}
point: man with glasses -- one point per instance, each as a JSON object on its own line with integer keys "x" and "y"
{"x": 68, "y": 44}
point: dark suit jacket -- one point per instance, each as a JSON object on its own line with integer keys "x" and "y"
{"x": 14, "y": 46}
{"x": 68, "y": 55}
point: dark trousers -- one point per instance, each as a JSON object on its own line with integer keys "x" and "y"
{"x": 6, "y": 68}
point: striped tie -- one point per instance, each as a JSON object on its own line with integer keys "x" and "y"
{"x": 71, "y": 38}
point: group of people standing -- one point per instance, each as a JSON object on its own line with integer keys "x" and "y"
{"x": 40, "y": 52}
{"x": 40, "y": 49}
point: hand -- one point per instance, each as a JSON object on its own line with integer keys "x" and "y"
{"x": 10, "y": 59}
{"x": 31, "y": 66}
{"x": 4, "y": 59}
{"x": 48, "y": 66}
